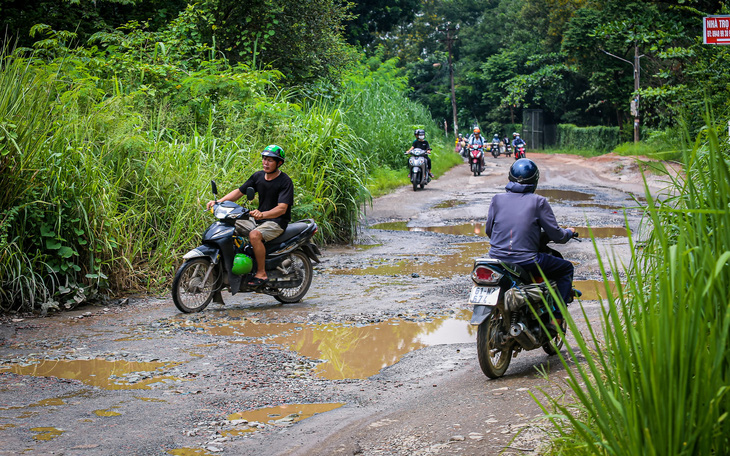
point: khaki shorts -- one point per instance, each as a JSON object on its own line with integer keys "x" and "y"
{"x": 269, "y": 230}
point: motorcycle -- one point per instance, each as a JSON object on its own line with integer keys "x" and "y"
{"x": 494, "y": 149}
{"x": 476, "y": 158}
{"x": 511, "y": 312}
{"x": 225, "y": 261}
{"x": 520, "y": 152}
{"x": 418, "y": 165}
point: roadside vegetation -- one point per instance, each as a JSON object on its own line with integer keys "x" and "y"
{"x": 106, "y": 157}
{"x": 659, "y": 383}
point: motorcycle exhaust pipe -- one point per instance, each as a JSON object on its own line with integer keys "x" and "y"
{"x": 518, "y": 329}
{"x": 284, "y": 266}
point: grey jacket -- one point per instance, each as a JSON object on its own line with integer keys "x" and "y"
{"x": 514, "y": 222}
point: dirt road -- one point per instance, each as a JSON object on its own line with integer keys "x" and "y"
{"x": 378, "y": 358}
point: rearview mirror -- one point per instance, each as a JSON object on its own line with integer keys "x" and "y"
{"x": 214, "y": 187}
{"x": 250, "y": 193}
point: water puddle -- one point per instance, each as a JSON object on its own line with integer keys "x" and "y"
{"x": 282, "y": 415}
{"x": 477, "y": 229}
{"x": 593, "y": 289}
{"x": 106, "y": 413}
{"x": 111, "y": 375}
{"x": 190, "y": 452}
{"x": 46, "y": 433}
{"x": 360, "y": 351}
{"x": 149, "y": 399}
{"x": 602, "y": 232}
{"x": 458, "y": 263}
{"x": 449, "y": 203}
{"x": 351, "y": 350}
{"x": 555, "y": 195}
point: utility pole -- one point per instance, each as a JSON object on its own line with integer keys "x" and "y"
{"x": 449, "y": 41}
{"x": 637, "y": 76}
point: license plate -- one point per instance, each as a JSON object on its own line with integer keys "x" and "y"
{"x": 484, "y": 295}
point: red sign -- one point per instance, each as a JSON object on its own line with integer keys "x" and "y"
{"x": 716, "y": 30}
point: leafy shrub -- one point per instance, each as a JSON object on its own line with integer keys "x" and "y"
{"x": 602, "y": 139}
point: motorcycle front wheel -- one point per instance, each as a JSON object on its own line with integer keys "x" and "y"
{"x": 556, "y": 343}
{"x": 303, "y": 268}
{"x": 493, "y": 361}
{"x": 189, "y": 293}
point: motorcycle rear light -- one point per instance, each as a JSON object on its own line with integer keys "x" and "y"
{"x": 485, "y": 276}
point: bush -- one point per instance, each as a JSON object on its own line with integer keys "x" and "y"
{"x": 601, "y": 139}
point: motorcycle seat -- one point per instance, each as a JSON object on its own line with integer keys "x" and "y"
{"x": 291, "y": 230}
{"x": 519, "y": 271}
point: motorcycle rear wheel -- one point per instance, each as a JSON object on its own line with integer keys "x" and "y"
{"x": 556, "y": 343}
{"x": 493, "y": 361}
{"x": 303, "y": 268}
{"x": 189, "y": 293}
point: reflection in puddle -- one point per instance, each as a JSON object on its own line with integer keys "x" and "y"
{"x": 360, "y": 351}
{"x": 459, "y": 263}
{"x": 282, "y": 415}
{"x": 96, "y": 372}
{"x": 593, "y": 289}
{"x": 477, "y": 229}
{"x": 149, "y": 399}
{"x": 603, "y": 232}
{"x": 46, "y": 433}
{"x": 352, "y": 350}
{"x": 555, "y": 195}
{"x": 363, "y": 247}
{"x": 190, "y": 452}
{"x": 449, "y": 203}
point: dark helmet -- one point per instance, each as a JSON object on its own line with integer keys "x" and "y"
{"x": 274, "y": 151}
{"x": 524, "y": 171}
{"x": 419, "y": 132}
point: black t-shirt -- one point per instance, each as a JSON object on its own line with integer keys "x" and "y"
{"x": 271, "y": 193}
{"x": 418, "y": 144}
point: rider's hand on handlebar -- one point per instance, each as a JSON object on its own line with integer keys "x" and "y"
{"x": 256, "y": 214}
{"x": 575, "y": 233}
{"x": 209, "y": 205}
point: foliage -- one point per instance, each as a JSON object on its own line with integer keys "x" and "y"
{"x": 660, "y": 382}
{"x": 107, "y": 152}
{"x": 602, "y": 139}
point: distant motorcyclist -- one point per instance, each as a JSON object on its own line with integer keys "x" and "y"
{"x": 517, "y": 141}
{"x": 514, "y": 223}
{"x": 476, "y": 139}
{"x": 421, "y": 143}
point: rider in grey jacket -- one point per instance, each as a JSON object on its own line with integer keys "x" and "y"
{"x": 514, "y": 222}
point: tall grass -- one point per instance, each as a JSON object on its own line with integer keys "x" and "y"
{"x": 659, "y": 382}
{"x": 104, "y": 179}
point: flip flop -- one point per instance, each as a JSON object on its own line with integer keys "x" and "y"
{"x": 256, "y": 282}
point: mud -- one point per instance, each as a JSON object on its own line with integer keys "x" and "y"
{"x": 377, "y": 359}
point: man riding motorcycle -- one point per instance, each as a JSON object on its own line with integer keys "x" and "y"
{"x": 477, "y": 139}
{"x": 276, "y": 197}
{"x": 421, "y": 143}
{"x": 514, "y": 224}
{"x": 517, "y": 141}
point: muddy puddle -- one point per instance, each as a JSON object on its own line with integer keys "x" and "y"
{"x": 593, "y": 289}
{"x": 110, "y": 375}
{"x": 561, "y": 196}
{"x": 457, "y": 263}
{"x": 449, "y": 203}
{"x": 350, "y": 350}
{"x": 281, "y": 415}
{"x": 477, "y": 229}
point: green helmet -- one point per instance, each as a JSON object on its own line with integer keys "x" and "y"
{"x": 242, "y": 264}
{"x": 274, "y": 151}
